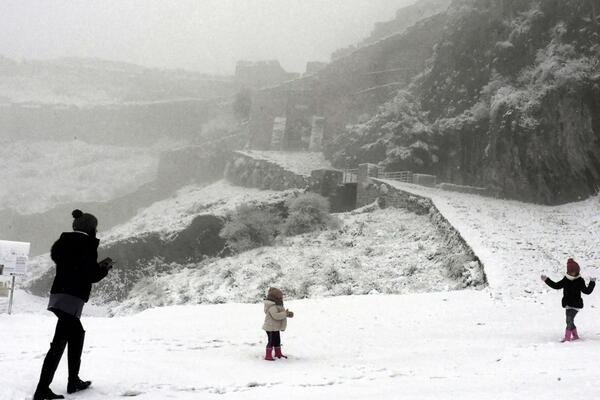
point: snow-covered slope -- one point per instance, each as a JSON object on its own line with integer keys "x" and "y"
{"x": 518, "y": 241}
{"x": 387, "y": 251}
{"x": 175, "y": 213}
{"x": 458, "y": 345}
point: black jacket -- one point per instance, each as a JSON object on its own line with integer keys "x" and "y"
{"x": 76, "y": 255}
{"x": 572, "y": 290}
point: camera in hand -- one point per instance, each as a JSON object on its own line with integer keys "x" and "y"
{"x": 107, "y": 263}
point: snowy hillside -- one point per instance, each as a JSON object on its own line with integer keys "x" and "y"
{"x": 37, "y": 176}
{"x": 175, "y": 213}
{"x": 388, "y": 251}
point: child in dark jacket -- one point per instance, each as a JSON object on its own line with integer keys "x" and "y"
{"x": 573, "y": 285}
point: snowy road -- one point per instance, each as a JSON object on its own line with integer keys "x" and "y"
{"x": 451, "y": 345}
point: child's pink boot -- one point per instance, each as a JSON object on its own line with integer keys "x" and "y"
{"x": 567, "y": 337}
{"x": 269, "y": 355}
{"x": 574, "y": 334}
{"x": 278, "y": 353}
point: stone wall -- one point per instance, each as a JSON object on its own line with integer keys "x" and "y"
{"x": 394, "y": 198}
{"x": 246, "y": 171}
{"x": 467, "y": 189}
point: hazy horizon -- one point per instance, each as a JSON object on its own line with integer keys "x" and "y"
{"x": 208, "y": 36}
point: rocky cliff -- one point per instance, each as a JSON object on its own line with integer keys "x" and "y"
{"x": 509, "y": 100}
{"x": 407, "y": 17}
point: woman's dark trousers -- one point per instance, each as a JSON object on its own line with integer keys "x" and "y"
{"x": 68, "y": 331}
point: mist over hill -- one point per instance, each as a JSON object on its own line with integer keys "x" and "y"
{"x": 89, "y": 82}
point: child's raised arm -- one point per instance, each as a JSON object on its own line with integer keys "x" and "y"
{"x": 589, "y": 288}
{"x": 554, "y": 285}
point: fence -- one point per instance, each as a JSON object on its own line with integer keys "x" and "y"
{"x": 351, "y": 175}
{"x": 402, "y": 176}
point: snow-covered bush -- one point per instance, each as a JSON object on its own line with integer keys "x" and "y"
{"x": 455, "y": 266}
{"x": 308, "y": 212}
{"x": 250, "y": 227}
{"x": 398, "y": 136}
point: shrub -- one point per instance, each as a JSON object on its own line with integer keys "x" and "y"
{"x": 308, "y": 212}
{"x": 250, "y": 227}
{"x": 455, "y": 266}
{"x": 332, "y": 277}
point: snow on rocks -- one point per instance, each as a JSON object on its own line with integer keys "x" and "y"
{"x": 174, "y": 214}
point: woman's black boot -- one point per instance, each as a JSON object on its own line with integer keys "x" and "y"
{"x": 49, "y": 367}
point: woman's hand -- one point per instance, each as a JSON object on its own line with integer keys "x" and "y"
{"x": 107, "y": 263}
{"x": 290, "y": 314}
{"x": 592, "y": 279}
{"x": 544, "y": 277}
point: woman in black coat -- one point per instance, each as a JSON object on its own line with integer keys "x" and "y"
{"x": 75, "y": 254}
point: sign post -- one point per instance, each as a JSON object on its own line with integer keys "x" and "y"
{"x": 13, "y": 258}
{"x": 12, "y": 293}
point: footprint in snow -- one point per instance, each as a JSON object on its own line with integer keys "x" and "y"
{"x": 131, "y": 393}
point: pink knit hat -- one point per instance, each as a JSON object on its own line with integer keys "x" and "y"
{"x": 572, "y": 267}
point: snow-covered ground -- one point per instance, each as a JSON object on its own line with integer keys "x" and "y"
{"x": 37, "y": 176}
{"x": 497, "y": 343}
{"x": 516, "y": 241}
{"x": 454, "y": 345}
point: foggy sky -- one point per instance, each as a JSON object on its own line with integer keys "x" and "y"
{"x": 203, "y": 35}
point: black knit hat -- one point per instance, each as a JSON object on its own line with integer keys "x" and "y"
{"x": 84, "y": 222}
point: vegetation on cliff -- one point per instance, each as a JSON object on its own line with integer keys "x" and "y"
{"x": 509, "y": 100}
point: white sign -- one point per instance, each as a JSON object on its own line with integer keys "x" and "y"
{"x": 13, "y": 256}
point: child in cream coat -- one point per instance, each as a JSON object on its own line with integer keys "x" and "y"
{"x": 276, "y": 316}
